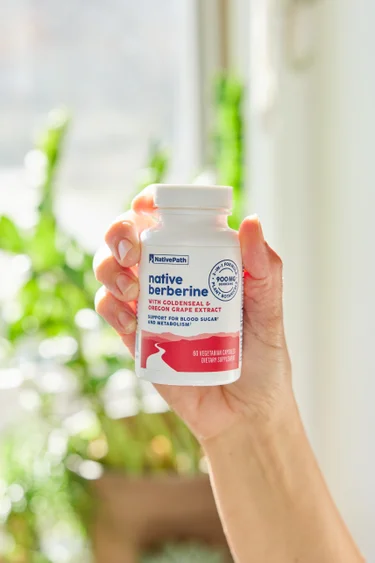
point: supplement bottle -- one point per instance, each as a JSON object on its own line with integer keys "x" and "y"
{"x": 190, "y": 302}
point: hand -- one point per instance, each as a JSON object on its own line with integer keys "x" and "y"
{"x": 265, "y": 379}
{"x": 270, "y": 494}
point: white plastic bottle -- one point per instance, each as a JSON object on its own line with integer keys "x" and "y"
{"x": 190, "y": 302}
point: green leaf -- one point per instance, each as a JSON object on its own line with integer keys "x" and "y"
{"x": 73, "y": 298}
{"x": 155, "y": 169}
{"x": 29, "y": 295}
{"x": 75, "y": 276}
{"x": 51, "y": 143}
{"x": 158, "y": 162}
{"x": 228, "y": 141}
{"x": 124, "y": 449}
{"x": 186, "y": 553}
{"x": 43, "y": 309}
{"x": 10, "y": 237}
{"x": 43, "y": 251}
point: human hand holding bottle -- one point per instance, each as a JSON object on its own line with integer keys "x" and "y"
{"x": 207, "y": 410}
{"x": 271, "y": 496}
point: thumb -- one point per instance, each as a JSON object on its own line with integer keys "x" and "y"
{"x": 263, "y": 311}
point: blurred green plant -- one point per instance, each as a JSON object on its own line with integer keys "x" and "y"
{"x": 34, "y": 495}
{"x": 67, "y": 342}
{"x": 228, "y": 140}
{"x": 190, "y": 553}
{"x": 77, "y": 378}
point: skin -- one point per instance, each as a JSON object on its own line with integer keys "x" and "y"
{"x": 271, "y": 496}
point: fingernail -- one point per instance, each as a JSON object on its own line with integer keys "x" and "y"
{"x": 260, "y": 228}
{"x": 127, "y": 287}
{"x": 127, "y": 322}
{"x": 255, "y": 217}
{"x": 123, "y": 248}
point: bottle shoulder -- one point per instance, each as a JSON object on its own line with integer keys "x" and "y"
{"x": 161, "y": 236}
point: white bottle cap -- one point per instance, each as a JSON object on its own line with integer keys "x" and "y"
{"x": 191, "y": 196}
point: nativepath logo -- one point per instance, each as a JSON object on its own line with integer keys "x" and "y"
{"x": 179, "y": 259}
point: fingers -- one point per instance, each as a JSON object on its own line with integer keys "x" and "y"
{"x": 144, "y": 201}
{"x": 121, "y": 316}
{"x": 118, "y": 314}
{"x": 122, "y": 237}
{"x": 115, "y": 300}
{"x": 263, "y": 314}
{"x": 114, "y": 266}
{"x": 254, "y": 248}
{"x": 121, "y": 282}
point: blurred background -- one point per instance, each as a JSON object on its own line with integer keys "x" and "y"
{"x": 96, "y": 101}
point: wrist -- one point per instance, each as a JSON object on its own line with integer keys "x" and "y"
{"x": 257, "y": 427}
{"x": 270, "y": 492}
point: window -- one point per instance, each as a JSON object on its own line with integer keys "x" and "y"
{"x": 117, "y": 65}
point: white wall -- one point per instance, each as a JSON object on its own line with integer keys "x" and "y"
{"x": 281, "y": 181}
{"x": 313, "y": 181}
{"x": 347, "y": 193}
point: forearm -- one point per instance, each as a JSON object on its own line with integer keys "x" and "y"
{"x": 272, "y": 497}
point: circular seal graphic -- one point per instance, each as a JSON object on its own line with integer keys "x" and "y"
{"x": 224, "y": 279}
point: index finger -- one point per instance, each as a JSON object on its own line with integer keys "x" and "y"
{"x": 144, "y": 202}
{"x": 122, "y": 237}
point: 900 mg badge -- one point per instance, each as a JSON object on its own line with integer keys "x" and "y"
{"x": 223, "y": 280}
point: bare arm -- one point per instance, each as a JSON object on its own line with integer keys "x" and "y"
{"x": 272, "y": 497}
